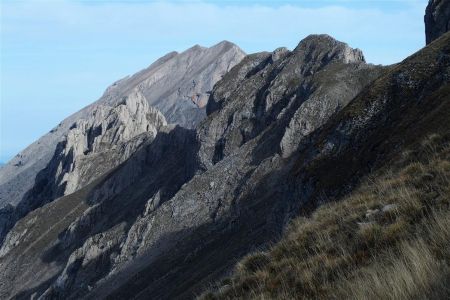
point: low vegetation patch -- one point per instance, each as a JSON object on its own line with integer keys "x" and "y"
{"x": 389, "y": 239}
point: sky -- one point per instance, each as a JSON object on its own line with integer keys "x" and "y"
{"x": 58, "y": 56}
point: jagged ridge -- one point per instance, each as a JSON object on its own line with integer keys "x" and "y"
{"x": 171, "y": 84}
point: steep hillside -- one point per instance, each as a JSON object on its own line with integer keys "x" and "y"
{"x": 177, "y": 84}
{"x": 387, "y": 239}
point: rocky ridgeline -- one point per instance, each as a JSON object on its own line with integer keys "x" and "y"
{"x": 177, "y": 84}
{"x": 93, "y": 146}
{"x": 299, "y": 90}
{"x": 95, "y": 140}
{"x": 111, "y": 132}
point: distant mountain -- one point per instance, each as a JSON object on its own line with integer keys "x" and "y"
{"x": 178, "y": 85}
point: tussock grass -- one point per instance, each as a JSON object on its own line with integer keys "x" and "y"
{"x": 389, "y": 239}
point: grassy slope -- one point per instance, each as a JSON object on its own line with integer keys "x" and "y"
{"x": 352, "y": 249}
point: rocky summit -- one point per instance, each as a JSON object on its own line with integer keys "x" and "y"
{"x": 179, "y": 171}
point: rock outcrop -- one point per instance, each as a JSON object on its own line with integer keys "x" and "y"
{"x": 437, "y": 19}
{"x": 177, "y": 84}
{"x": 312, "y": 82}
{"x": 93, "y": 146}
{"x": 97, "y": 144}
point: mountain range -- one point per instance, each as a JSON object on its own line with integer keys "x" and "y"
{"x": 211, "y": 156}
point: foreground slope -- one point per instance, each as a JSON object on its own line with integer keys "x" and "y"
{"x": 388, "y": 239}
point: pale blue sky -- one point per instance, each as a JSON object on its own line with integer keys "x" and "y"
{"x": 59, "y": 56}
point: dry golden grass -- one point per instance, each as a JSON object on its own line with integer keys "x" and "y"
{"x": 417, "y": 269}
{"x": 389, "y": 239}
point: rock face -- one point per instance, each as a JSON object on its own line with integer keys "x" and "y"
{"x": 437, "y": 19}
{"x": 112, "y": 132}
{"x": 177, "y": 84}
{"x": 72, "y": 235}
{"x": 93, "y": 146}
{"x": 302, "y": 88}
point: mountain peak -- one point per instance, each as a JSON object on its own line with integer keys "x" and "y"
{"x": 225, "y": 44}
{"x": 219, "y": 47}
{"x": 321, "y": 46}
{"x": 195, "y": 48}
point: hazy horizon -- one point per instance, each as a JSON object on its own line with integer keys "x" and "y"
{"x": 57, "y": 57}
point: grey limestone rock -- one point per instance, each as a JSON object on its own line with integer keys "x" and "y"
{"x": 177, "y": 84}
{"x": 313, "y": 82}
{"x": 93, "y": 146}
{"x": 107, "y": 129}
